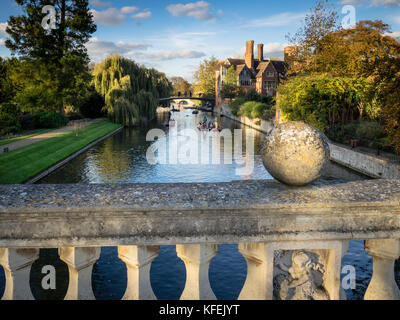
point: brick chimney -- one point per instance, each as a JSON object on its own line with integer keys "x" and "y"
{"x": 249, "y": 57}
{"x": 260, "y": 52}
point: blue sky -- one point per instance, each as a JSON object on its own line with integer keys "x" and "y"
{"x": 174, "y": 36}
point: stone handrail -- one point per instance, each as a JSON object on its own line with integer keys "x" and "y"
{"x": 262, "y": 216}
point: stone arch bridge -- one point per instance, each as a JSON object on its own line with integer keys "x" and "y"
{"x": 209, "y": 100}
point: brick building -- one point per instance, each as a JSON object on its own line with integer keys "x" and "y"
{"x": 260, "y": 74}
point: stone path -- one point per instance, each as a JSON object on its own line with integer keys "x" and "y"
{"x": 72, "y": 125}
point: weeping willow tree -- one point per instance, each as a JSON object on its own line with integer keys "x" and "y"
{"x": 131, "y": 91}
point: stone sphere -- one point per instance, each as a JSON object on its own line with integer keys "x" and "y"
{"x": 296, "y": 153}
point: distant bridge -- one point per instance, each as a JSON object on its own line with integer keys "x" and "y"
{"x": 208, "y": 99}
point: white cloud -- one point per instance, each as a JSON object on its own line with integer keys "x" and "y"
{"x": 115, "y": 17}
{"x": 98, "y": 49}
{"x": 238, "y": 54}
{"x": 395, "y": 35}
{"x": 172, "y": 55}
{"x": 200, "y": 10}
{"x": 279, "y": 20}
{"x": 3, "y": 26}
{"x": 146, "y": 14}
{"x": 126, "y": 10}
{"x": 271, "y": 50}
{"x": 99, "y": 3}
{"x": 196, "y": 40}
{"x": 374, "y": 3}
{"x": 109, "y": 17}
{"x": 2, "y": 42}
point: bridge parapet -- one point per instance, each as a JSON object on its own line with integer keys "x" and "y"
{"x": 264, "y": 217}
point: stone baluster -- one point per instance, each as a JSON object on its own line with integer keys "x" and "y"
{"x": 383, "y": 285}
{"x": 17, "y": 266}
{"x": 80, "y": 263}
{"x": 138, "y": 261}
{"x": 256, "y": 286}
{"x": 260, "y": 266}
{"x": 197, "y": 258}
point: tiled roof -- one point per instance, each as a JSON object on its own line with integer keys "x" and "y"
{"x": 280, "y": 66}
{"x": 261, "y": 68}
{"x": 236, "y": 62}
{"x": 239, "y": 68}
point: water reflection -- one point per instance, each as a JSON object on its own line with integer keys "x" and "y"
{"x": 122, "y": 158}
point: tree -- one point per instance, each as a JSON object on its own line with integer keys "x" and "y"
{"x": 355, "y": 51}
{"x": 230, "y": 88}
{"x": 180, "y": 85}
{"x": 205, "y": 77}
{"x": 131, "y": 91}
{"x": 365, "y": 52}
{"x": 321, "y": 21}
{"x": 57, "y": 53}
{"x": 322, "y": 100}
{"x": 8, "y": 84}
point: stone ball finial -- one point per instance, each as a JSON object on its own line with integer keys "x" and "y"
{"x": 296, "y": 153}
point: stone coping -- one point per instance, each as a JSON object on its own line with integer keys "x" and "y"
{"x": 243, "y": 211}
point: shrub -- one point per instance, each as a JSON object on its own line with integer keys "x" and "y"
{"x": 252, "y": 95}
{"x": 92, "y": 105}
{"x": 235, "y": 105}
{"x": 27, "y": 122}
{"x": 268, "y": 114}
{"x": 74, "y": 116}
{"x": 369, "y": 133}
{"x": 44, "y": 120}
{"x": 253, "y": 109}
{"x": 369, "y": 130}
{"x": 9, "y": 120}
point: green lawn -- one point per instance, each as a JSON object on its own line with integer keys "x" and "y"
{"x": 18, "y": 166}
{"x": 36, "y": 133}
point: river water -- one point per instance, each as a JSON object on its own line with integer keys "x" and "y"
{"x": 122, "y": 159}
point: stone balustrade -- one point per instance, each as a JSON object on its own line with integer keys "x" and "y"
{"x": 293, "y": 239}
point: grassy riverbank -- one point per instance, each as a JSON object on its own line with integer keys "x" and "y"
{"x": 35, "y": 133}
{"x": 20, "y": 165}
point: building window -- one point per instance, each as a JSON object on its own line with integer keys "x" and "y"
{"x": 270, "y": 74}
{"x": 269, "y": 85}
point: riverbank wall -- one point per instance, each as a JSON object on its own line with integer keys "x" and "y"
{"x": 366, "y": 164}
{"x": 258, "y": 124}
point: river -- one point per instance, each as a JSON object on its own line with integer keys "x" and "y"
{"x": 122, "y": 159}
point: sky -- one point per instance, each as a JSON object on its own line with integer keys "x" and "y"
{"x": 175, "y": 36}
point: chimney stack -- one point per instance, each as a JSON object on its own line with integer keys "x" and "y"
{"x": 260, "y": 52}
{"x": 249, "y": 57}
